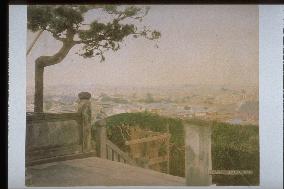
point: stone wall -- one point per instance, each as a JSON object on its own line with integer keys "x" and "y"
{"x": 50, "y": 135}
{"x": 55, "y": 133}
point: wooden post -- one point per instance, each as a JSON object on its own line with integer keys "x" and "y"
{"x": 34, "y": 41}
{"x": 198, "y": 160}
{"x": 84, "y": 108}
{"x": 168, "y": 149}
{"x": 101, "y": 137}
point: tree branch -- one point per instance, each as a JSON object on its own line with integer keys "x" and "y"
{"x": 55, "y": 35}
{"x": 78, "y": 42}
{"x": 68, "y": 43}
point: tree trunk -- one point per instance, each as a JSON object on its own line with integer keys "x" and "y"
{"x": 38, "y": 98}
{"x": 43, "y": 62}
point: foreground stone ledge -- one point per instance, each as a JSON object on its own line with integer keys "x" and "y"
{"x": 95, "y": 171}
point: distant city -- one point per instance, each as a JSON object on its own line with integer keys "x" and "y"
{"x": 238, "y": 105}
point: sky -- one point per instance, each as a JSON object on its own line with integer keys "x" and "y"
{"x": 200, "y": 45}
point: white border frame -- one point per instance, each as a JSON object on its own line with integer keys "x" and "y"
{"x": 271, "y": 96}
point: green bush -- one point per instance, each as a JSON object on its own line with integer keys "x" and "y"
{"x": 153, "y": 122}
{"x": 235, "y": 147}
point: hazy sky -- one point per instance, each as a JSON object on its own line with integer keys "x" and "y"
{"x": 199, "y": 45}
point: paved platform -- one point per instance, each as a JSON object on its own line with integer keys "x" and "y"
{"x": 95, "y": 171}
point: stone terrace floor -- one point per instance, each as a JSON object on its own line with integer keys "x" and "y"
{"x": 95, "y": 171}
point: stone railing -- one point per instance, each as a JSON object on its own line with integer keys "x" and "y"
{"x": 59, "y": 136}
{"x": 106, "y": 149}
{"x": 198, "y": 161}
{"x": 56, "y": 137}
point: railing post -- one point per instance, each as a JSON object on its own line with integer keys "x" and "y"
{"x": 101, "y": 137}
{"x": 198, "y": 160}
{"x": 84, "y": 108}
{"x": 168, "y": 149}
